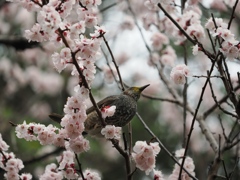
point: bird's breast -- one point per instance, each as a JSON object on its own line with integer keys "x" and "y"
{"x": 126, "y": 108}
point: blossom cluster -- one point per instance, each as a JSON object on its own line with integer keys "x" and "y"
{"x": 10, "y": 164}
{"x": 72, "y": 128}
{"x": 66, "y": 169}
{"x": 144, "y": 155}
{"x": 189, "y": 21}
{"x": 64, "y": 24}
{"x": 188, "y": 165}
{"x": 179, "y": 74}
{"x": 229, "y": 46}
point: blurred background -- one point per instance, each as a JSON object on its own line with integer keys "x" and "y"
{"x": 31, "y": 89}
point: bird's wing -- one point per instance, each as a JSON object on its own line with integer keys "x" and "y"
{"x": 108, "y": 101}
{"x": 56, "y": 117}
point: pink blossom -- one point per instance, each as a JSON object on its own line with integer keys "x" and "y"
{"x": 91, "y": 3}
{"x": 154, "y": 59}
{"x": 128, "y": 23}
{"x": 219, "y": 5}
{"x": 230, "y": 51}
{"x": 77, "y": 29}
{"x": 3, "y": 144}
{"x": 66, "y": 163}
{"x": 84, "y": 92}
{"x": 158, "y": 40}
{"x": 78, "y": 145}
{"x": 11, "y": 175}
{"x": 144, "y": 155}
{"x": 158, "y": 175}
{"x": 195, "y": 49}
{"x": 91, "y": 175}
{"x": 210, "y": 25}
{"x": 74, "y": 104}
{"x": 49, "y": 18}
{"x": 180, "y": 153}
{"x": 70, "y": 172}
{"x": 51, "y": 172}
{"x": 111, "y": 132}
{"x": 151, "y": 4}
{"x": 167, "y": 60}
{"x": 66, "y": 8}
{"x": 36, "y": 34}
{"x": 196, "y": 31}
{"x": 179, "y": 73}
{"x": 226, "y": 35}
{"x": 99, "y": 31}
{"x": 108, "y": 111}
{"x": 188, "y": 164}
{"x": 59, "y": 139}
{"x": 26, "y": 176}
{"x": 47, "y": 135}
{"x": 14, "y": 164}
{"x": 67, "y": 157}
{"x": 109, "y": 74}
{"x": 149, "y": 19}
{"x": 61, "y": 60}
{"x": 26, "y": 131}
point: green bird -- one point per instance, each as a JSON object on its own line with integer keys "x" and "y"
{"x": 126, "y": 108}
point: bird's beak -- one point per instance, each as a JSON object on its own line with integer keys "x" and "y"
{"x": 143, "y": 87}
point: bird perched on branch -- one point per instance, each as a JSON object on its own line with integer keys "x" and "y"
{"x": 126, "y": 108}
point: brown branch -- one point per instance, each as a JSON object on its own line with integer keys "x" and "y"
{"x": 84, "y": 82}
{"x": 44, "y": 156}
{"x": 177, "y": 25}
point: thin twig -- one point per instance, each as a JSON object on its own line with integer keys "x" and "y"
{"x": 203, "y": 76}
{"x": 196, "y": 111}
{"x": 223, "y": 129}
{"x": 224, "y": 99}
{"x": 44, "y": 156}
{"x": 162, "y": 99}
{"x": 176, "y": 24}
{"x": 79, "y": 166}
{"x": 232, "y": 15}
{"x": 115, "y": 63}
{"x": 216, "y": 102}
{"x": 234, "y": 168}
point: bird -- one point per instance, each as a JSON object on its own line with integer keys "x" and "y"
{"x": 126, "y": 108}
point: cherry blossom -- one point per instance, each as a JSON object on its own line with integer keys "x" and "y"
{"x": 78, "y": 145}
{"x": 10, "y": 164}
{"x": 158, "y": 175}
{"x": 188, "y": 164}
{"x": 179, "y": 73}
{"x": 51, "y": 172}
{"x": 3, "y": 144}
{"x": 158, "y": 40}
{"x": 91, "y": 175}
{"x": 108, "y": 111}
{"x": 111, "y": 132}
{"x": 144, "y": 155}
